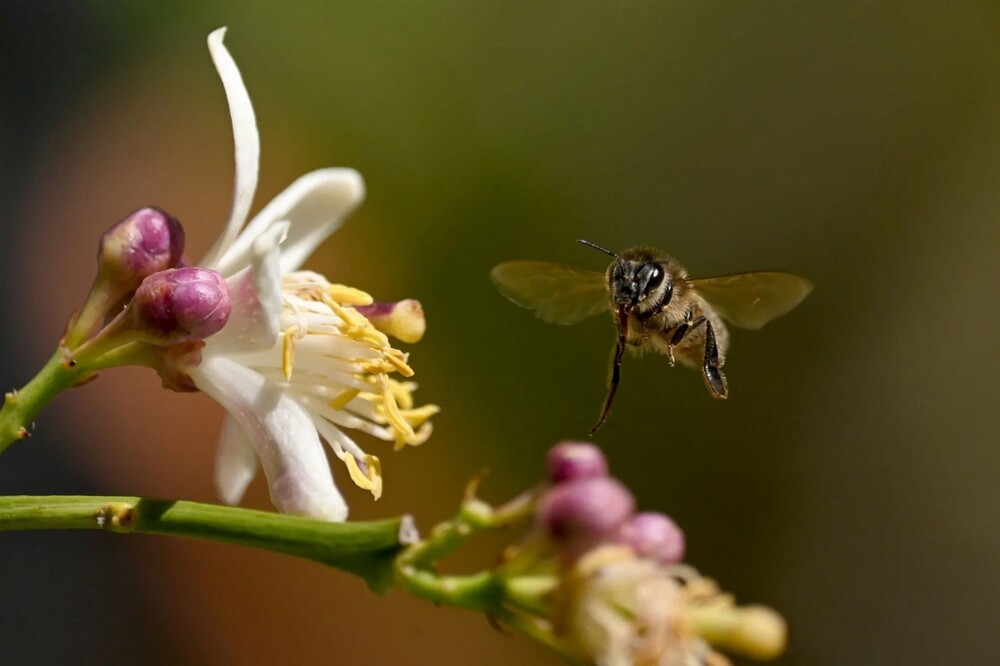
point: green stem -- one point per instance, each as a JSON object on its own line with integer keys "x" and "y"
{"x": 21, "y": 407}
{"x": 365, "y": 549}
{"x": 539, "y": 630}
{"x": 531, "y": 593}
{"x": 67, "y": 368}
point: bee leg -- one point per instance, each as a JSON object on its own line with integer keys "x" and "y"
{"x": 715, "y": 380}
{"x": 679, "y": 333}
{"x": 616, "y": 368}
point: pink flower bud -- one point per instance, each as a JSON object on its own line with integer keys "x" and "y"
{"x": 145, "y": 242}
{"x": 580, "y": 514}
{"x": 181, "y": 305}
{"x": 654, "y": 536}
{"x": 567, "y": 461}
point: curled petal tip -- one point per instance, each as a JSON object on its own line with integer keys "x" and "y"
{"x": 217, "y": 35}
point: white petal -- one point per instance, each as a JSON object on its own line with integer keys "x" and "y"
{"x": 255, "y": 294}
{"x": 235, "y": 462}
{"x": 247, "y": 146}
{"x": 282, "y": 434}
{"x": 316, "y": 204}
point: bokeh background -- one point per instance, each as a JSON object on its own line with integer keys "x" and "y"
{"x": 851, "y": 481}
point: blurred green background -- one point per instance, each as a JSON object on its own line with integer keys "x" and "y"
{"x": 851, "y": 480}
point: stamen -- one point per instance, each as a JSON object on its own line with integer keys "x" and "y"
{"x": 288, "y": 351}
{"x": 348, "y": 295}
{"x": 296, "y": 311}
{"x": 342, "y": 400}
{"x": 371, "y": 478}
{"x": 379, "y": 367}
{"x": 392, "y": 414}
{"x": 398, "y": 360}
{"x": 349, "y": 317}
{"x": 422, "y": 435}
{"x": 417, "y": 417}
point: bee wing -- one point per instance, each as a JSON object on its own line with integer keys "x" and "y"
{"x": 556, "y": 293}
{"x": 750, "y": 300}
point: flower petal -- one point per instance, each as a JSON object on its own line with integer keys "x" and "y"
{"x": 316, "y": 204}
{"x": 282, "y": 434}
{"x": 235, "y": 462}
{"x": 247, "y": 146}
{"x": 255, "y": 295}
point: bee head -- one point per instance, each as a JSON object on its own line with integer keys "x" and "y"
{"x": 640, "y": 285}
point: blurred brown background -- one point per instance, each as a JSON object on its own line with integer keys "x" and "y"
{"x": 850, "y": 481}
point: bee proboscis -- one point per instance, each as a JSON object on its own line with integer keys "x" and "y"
{"x": 655, "y": 305}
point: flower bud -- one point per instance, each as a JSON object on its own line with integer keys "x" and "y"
{"x": 582, "y": 513}
{"x": 181, "y": 305}
{"x": 756, "y": 632}
{"x": 568, "y": 461}
{"x": 145, "y": 242}
{"x": 403, "y": 320}
{"x": 654, "y": 536}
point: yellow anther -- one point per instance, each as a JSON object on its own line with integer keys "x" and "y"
{"x": 392, "y": 413}
{"x": 418, "y": 438}
{"x": 340, "y": 402}
{"x": 288, "y": 351}
{"x": 417, "y": 417}
{"x": 377, "y": 367}
{"x": 400, "y": 443}
{"x": 348, "y": 295}
{"x": 371, "y": 479}
{"x": 422, "y": 435}
{"x": 403, "y": 392}
{"x": 368, "y": 334}
{"x": 349, "y": 317}
{"x": 399, "y": 362}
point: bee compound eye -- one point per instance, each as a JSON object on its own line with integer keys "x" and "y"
{"x": 651, "y": 275}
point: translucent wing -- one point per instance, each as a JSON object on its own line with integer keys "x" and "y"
{"x": 750, "y": 300}
{"x": 558, "y": 294}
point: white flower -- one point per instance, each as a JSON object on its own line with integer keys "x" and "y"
{"x": 279, "y": 313}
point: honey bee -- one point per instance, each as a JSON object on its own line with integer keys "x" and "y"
{"x": 655, "y": 305}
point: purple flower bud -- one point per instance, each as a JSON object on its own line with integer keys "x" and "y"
{"x": 181, "y": 305}
{"x": 654, "y": 536}
{"x": 582, "y": 513}
{"x": 145, "y": 242}
{"x": 567, "y": 461}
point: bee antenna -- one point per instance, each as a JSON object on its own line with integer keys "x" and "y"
{"x": 596, "y": 247}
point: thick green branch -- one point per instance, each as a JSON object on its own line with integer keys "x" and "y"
{"x": 366, "y": 549}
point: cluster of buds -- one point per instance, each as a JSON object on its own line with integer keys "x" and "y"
{"x": 584, "y": 508}
{"x": 624, "y": 595}
{"x": 144, "y": 293}
{"x": 598, "y": 582}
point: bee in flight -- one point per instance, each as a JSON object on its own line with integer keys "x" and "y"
{"x": 655, "y": 306}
